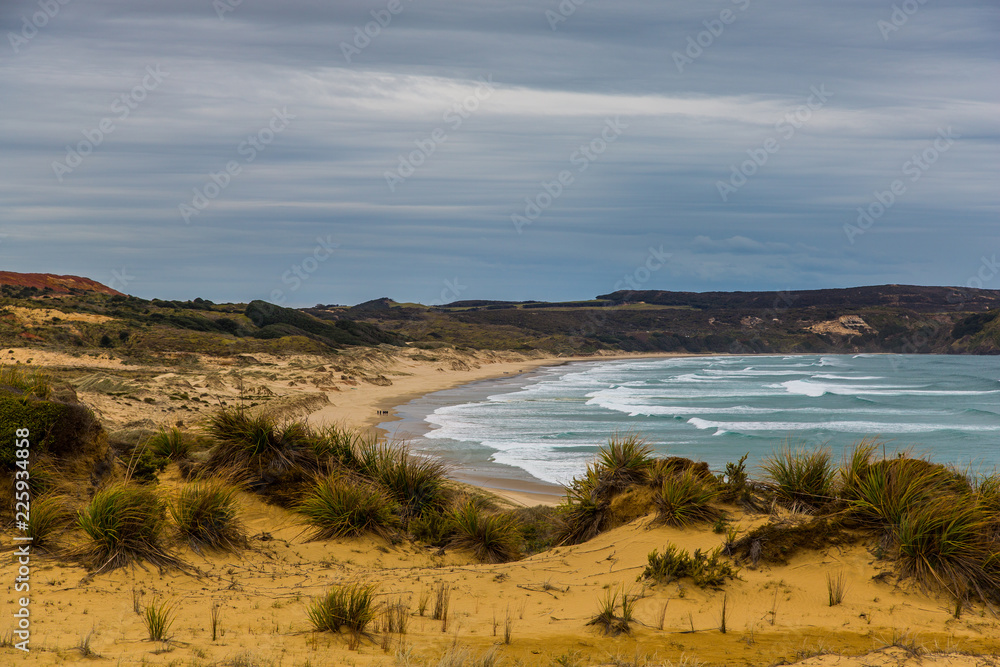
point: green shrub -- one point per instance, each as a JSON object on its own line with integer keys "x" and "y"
{"x": 706, "y": 570}
{"x": 207, "y": 517}
{"x": 492, "y": 538}
{"x": 340, "y": 507}
{"x": 125, "y": 525}
{"x": 801, "y": 476}
{"x": 685, "y": 499}
{"x": 352, "y": 606}
{"x": 145, "y": 465}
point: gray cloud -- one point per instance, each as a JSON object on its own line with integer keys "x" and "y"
{"x": 657, "y": 183}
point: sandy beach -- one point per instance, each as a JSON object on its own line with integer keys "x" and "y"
{"x": 775, "y": 613}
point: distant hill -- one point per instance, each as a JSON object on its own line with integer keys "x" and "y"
{"x": 53, "y": 283}
{"x": 911, "y": 297}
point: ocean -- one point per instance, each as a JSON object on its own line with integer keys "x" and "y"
{"x": 546, "y": 425}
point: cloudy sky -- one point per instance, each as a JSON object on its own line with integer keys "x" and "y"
{"x": 332, "y": 152}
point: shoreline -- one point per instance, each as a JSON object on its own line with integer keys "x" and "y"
{"x": 411, "y": 380}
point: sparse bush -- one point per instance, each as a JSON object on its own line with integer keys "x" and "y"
{"x": 206, "y": 516}
{"x": 340, "y": 507}
{"x": 417, "y": 484}
{"x": 801, "y": 476}
{"x": 685, "y": 499}
{"x": 125, "y": 525}
{"x": 492, "y": 538}
{"x": 608, "y": 618}
{"x": 432, "y": 527}
{"x": 352, "y": 606}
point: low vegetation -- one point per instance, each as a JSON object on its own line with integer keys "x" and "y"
{"x": 125, "y": 524}
{"x": 206, "y": 516}
{"x": 352, "y": 606}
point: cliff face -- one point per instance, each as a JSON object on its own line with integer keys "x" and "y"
{"x": 58, "y": 284}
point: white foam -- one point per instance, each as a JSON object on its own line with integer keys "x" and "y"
{"x": 868, "y": 427}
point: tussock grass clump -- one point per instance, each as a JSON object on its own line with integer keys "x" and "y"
{"x": 492, "y": 538}
{"x": 125, "y": 524}
{"x": 685, "y": 499}
{"x": 158, "y": 618}
{"x": 948, "y": 543}
{"x": 169, "y": 443}
{"x": 49, "y": 516}
{"x": 585, "y": 508}
{"x": 624, "y": 461}
{"x": 802, "y": 476}
{"x": 836, "y": 586}
{"x": 341, "y": 507}
{"x": 258, "y": 446}
{"x": 705, "y": 570}
{"x": 417, "y": 484}
{"x": 26, "y": 383}
{"x": 207, "y": 517}
{"x": 608, "y": 617}
{"x": 352, "y": 606}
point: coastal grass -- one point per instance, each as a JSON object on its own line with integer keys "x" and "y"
{"x": 416, "y": 484}
{"x": 584, "y": 509}
{"x": 48, "y": 518}
{"x": 26, "y": 383}
{"x": 351, "y": 606}
{"x": 338, "y": 506}
{"x": 624, "y": 461}
{"x": 836, "y": 586}
{"x": 492, "y": 538}
{"x": 125, "y": 524}
{"x": 706, "y": 570}
{"x": 258, "y": 446}
{"x": 801, "y": 476}
{"x": 169, "y": 443}
{"x": 685, "y": 499}
{"x": 609, "y": 619}
{"x": 158, "y": 618}
{"x": 206, "y": 516}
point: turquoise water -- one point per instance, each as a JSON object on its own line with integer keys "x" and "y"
{"x": 549, "y": 424}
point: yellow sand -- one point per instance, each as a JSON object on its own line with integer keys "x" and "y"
{"x": 773, "y": 614}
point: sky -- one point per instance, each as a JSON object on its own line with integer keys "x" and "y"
{"x": 307, "y": 152}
